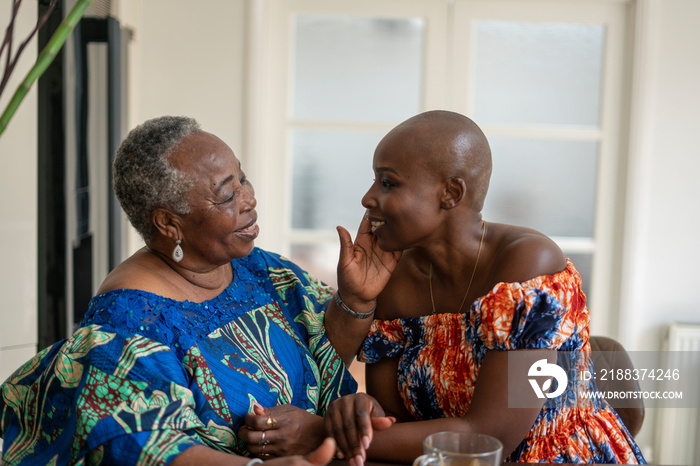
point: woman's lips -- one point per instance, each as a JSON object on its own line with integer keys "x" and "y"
{"x": 376, "y": 224}
{"x": 251, "y": 231}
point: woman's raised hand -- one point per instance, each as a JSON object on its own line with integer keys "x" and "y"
{"x": 363, "y": 272}
{"x": 352, "y": 420}
{"x": 364, "y": 268}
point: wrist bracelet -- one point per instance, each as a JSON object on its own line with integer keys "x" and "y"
{"x": 253, "y": 461}
{"x": 356, "y": 315}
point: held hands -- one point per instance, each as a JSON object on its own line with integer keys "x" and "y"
{"x": 363, "y": 268}
{"x": 281, "y": 431}
{"x": 352, "y": 420}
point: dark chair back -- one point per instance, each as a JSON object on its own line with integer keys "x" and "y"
{"x": 610, "y": 354}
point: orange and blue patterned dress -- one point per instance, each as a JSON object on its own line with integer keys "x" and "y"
{"x": 440, "y": 357}
{"x": 146, "y": 377}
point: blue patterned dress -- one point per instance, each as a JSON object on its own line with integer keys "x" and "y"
{"x": 440, "y": 357}
{"x": 146, "y": 377}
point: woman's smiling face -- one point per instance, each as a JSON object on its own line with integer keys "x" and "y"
{"x": 403, "y": 203}
{"x": 222, "y": 223}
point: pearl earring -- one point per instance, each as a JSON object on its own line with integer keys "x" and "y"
{"x": 177, "y": 252}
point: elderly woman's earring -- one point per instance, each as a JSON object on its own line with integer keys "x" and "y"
{"x": 177, "y": 252}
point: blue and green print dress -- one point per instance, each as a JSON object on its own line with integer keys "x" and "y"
{"x": 146, "y": 377}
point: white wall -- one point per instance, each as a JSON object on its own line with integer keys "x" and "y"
{"x": 18, "y": 210}
{"x": 660, "y": 253}
{"x": 661, "y": 246}
{"x": 191, "y": 62}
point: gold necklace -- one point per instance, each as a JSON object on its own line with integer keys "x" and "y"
{"x": 430, "y": 280}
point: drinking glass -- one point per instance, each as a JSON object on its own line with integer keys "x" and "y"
{"x": 460, "y": 449}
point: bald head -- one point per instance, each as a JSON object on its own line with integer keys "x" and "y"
{"x": 450, "y": 145}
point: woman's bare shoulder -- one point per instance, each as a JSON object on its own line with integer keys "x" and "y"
{"x": 524, "y": 253}
{"x": 140, "y": 271}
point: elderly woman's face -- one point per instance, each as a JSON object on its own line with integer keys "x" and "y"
{"x": 222, "y": 223}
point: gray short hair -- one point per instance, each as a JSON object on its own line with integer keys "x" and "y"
{"x": 143, "y": 177}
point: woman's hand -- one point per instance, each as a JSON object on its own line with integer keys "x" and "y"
{"x": 200, "y": 455}
{"x": 363, "y": 268}
{"x": 363, "y": 272}
{"x": 352, "y": 420}
{"x": 319, "y": 457}
{"x": 281, "y": 431}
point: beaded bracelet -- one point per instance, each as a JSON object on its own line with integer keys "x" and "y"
{"x": 356, "y": 315}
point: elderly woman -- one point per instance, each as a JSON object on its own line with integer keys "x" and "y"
{"x": 464, "y": 293}
{"x": 196, "y": 329}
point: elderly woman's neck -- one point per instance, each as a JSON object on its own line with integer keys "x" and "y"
{"x": 192, "y": 279}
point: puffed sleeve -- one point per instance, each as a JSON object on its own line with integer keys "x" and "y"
{"x": 386, "y": 339}
{"x": 99, "y": 396}
{"x": 545, "y": 312}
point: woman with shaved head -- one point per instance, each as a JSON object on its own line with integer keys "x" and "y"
{"x": 466, "y": 297}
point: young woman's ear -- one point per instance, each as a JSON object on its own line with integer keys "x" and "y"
{"x": 455, "y": 191}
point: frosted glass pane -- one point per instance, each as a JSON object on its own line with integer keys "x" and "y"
{"x": 546, "y": 185}
{"x": 357, "y": 68}
{"x": 538, "y": 73}
{"x": 331, "y": 171}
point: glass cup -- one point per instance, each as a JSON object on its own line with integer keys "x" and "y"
{"x": 460, "y": 449}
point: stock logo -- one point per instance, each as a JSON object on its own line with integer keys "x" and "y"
{"x": 542, "y": 368}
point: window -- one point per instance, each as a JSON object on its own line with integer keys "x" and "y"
{"x": 544, "y": 80}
